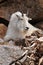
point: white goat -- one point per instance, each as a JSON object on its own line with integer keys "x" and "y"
{"x": 18, "y": 27}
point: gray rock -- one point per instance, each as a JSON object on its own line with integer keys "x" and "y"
{"x": 8, "y": 54}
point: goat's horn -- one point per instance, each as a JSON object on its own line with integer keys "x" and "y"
{"x": 22, "y": 13}
{"x": 27, "y": 12}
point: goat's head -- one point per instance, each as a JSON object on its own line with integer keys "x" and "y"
{"x": 18, "y": 26}
{"x": 20, "y": 21}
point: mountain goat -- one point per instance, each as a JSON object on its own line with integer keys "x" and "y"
{"x": 18, "y": 27}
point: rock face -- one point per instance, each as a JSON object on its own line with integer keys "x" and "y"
{"x": 32, "y": 53}
{"x": 41, "y": 3}
{"x": 34, "y": 7}
{"x": 9, "y": 53}
{"x": 3, "y": 30}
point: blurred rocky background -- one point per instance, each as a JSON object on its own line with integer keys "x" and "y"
{"x": 30, "y": 52}
{"x": 34, "y": 8}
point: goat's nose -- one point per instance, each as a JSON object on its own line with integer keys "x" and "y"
{"x": 26, "y": 28}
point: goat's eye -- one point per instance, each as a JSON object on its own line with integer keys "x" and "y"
{"x": 26, "y": 28}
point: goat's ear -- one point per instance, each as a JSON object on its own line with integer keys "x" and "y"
{"x": 18, "y": 17}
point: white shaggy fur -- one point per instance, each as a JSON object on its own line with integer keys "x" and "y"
{"x": 17, "y": 27}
